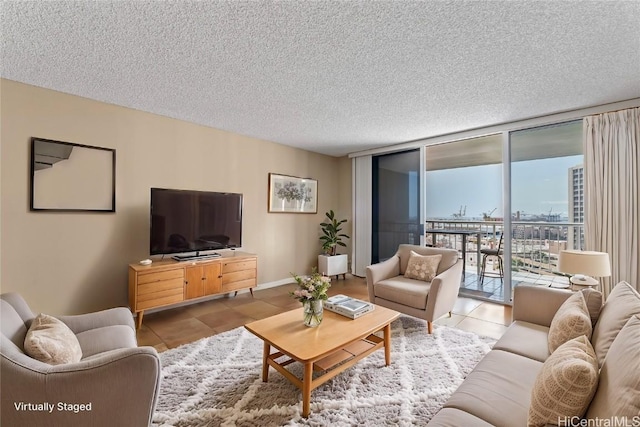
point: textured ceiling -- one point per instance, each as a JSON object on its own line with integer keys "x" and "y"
{"x": 328, "y": 76}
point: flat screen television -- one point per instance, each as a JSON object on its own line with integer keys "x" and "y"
{"x": 194, "y": 221}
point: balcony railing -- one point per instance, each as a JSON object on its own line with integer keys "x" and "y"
{"x": 535, "y": 246}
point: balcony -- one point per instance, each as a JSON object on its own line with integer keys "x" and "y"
{"x": 534, "y": 252}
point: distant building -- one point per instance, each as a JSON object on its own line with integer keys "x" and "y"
{"x": 575, "y": 236}
{"x": 555, "y": 246}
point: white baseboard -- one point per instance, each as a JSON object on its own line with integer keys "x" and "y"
{"x": 275, "y": 283}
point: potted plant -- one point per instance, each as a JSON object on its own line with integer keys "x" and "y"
{"x": 330, "y": 262}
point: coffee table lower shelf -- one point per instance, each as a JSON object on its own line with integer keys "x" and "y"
{"x": 352, "y": 352}
{"x": 332, "y": 364}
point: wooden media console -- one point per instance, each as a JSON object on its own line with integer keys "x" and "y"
{"x": 164, "y": 283}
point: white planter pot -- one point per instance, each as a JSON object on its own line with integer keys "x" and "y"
{"x": 333, "y": 265}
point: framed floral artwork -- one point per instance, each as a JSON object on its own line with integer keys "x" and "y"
{"x": 291, "y": 194}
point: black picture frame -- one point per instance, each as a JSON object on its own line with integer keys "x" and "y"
{"x": 70, "y": 177}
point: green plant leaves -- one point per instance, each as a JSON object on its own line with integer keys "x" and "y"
{"x": 331, "y": 233}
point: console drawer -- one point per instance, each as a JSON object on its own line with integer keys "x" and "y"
{"x": 154, "y": 287}
{"x": 241, "y": 284}
{"x": 162, "y": 298}
{"x": 157, "y": 276}
{"x": 230, "y": 267}
{"x": 238, "y": 276}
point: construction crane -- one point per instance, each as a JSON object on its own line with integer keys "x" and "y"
{"x": 487, "y": 216}
{"x": 553, "y": 217}
{"x": 461, "y": 213}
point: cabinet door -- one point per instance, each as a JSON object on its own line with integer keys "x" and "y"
{"x": 194, "y": 282}
{"x": 212, "y": 284}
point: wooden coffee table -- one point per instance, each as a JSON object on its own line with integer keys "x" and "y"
{"x": 337, "y": 344}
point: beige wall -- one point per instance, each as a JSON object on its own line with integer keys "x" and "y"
{"x": 77, "y": 262}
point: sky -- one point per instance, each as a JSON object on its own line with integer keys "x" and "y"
{"x": 538, "y": 187}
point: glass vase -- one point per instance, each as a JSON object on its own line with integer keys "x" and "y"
{"x": 312, "y": 312}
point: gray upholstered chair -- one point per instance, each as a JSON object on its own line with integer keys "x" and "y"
{"x": 388, "y": 287}
{"x": 119, "y": 379}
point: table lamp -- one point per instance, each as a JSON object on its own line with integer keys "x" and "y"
{"x": 583, "y": 264}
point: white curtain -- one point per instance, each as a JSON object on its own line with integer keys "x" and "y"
{"x": 361, "y": 228}
{"x": 612, "y": 213}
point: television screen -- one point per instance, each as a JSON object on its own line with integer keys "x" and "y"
{"x": 190, "y": 221}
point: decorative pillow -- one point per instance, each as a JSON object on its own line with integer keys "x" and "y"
{"x": 622, "y": 303}
{"x": 565, "y": 385}
{"x": 618, "y": 394}
{"x": 422, "y": 267}
{"x": 570, "y": 321}
{"x": 50, "y": 341}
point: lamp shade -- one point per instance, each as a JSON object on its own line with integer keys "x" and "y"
{"x": 590, "y": 263}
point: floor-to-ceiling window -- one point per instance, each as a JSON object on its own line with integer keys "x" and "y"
{"x": 538, "y": 160}
{"x": 464, "y": 189}
{"x": 547, "y": 198}
{"x": 463, "y": 198}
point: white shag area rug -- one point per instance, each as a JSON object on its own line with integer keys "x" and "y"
{"x": 217, "y": 381}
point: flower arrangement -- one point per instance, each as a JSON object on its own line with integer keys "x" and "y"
{"x": 311, "y": 288}
{"x": 292, "y": 191}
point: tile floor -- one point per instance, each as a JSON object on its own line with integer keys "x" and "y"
{"x": 173, "y": 327}
{"x": 493, "y": 288}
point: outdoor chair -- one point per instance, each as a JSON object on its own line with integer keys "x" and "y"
{"x": 496, "y": 253}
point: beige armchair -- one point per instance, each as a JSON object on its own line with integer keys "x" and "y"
{"x": 388, "y": 287}
{"x": 117, "y": 378}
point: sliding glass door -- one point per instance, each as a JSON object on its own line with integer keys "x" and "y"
{"x": 396, "y": 210}
{"x": 464, "y": 207}
{"x": 515, "y": 195}
{"x": 547, "y": 210}
{"x": 518, "y": 198}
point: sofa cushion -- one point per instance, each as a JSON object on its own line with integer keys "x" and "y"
{"x": 409, "y": 292}
{"x": 99, "y": 340}
{"x": 422, "y": 267}
{"x": 498, "y": 390}
{"x": 12, "y": 325}
{"x": 618, "y": 393}
{"x": 451, "y": 417}
{"x": 50, "y": 341}
{"x": 565, "y": 385}
{"x": 526, "y": 339}
{"x": 593, "y": 299}
{"x": 570, "y": 321}
{"x": 621, "y": 305}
